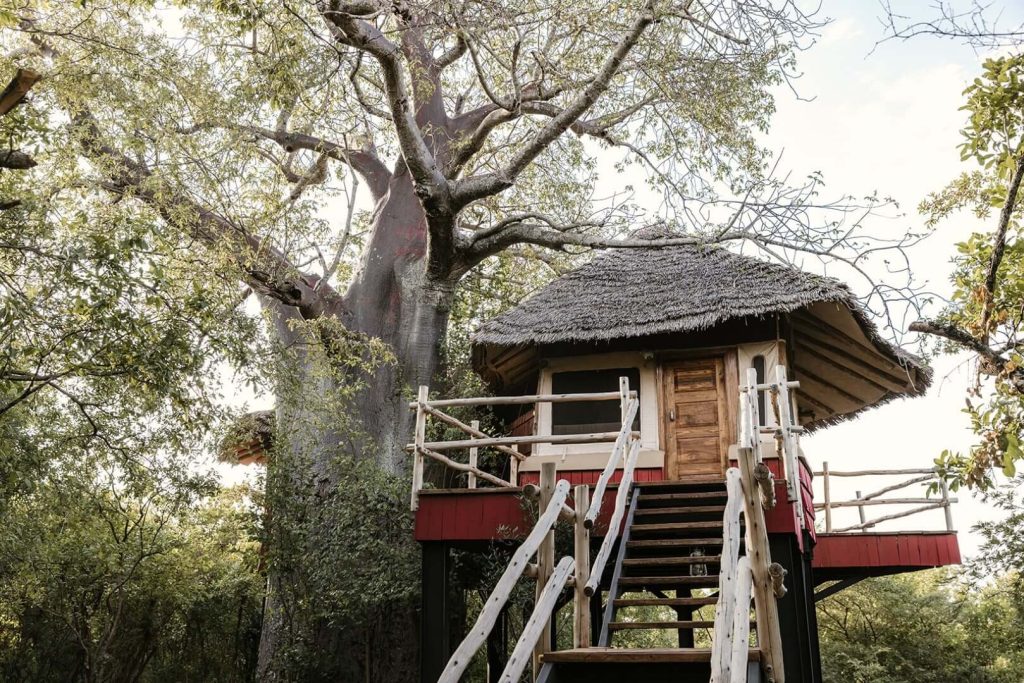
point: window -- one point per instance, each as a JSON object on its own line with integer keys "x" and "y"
{"x": 590, "y": 416}
{"x": 759, "y": 367}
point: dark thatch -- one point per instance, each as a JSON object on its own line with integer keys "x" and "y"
{"x": 627, "y": 293}
{"x": 632, "y": 293}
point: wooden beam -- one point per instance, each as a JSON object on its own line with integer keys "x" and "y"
{"x": 464, "y": 468}
{"x": 803, "y": 373}
{"x": 471, "y": 429}
{"x": 520, "y": 400}
{"x": 535, "y": 629}
{"x": 850, "y": 372}
{"x": 597, "y": 437}
{"x": 581, "y": 633}
{"x": 880, "y": 501}
{"x": 836, "y": 587}
{"x": 817, "y": 323}
{"x": 807, "y": 398}
{"x": 806, "y": 335}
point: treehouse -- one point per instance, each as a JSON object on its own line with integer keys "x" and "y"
{"x": 654, "y": 400}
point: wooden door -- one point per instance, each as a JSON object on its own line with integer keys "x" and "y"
{"x": 697, "y": 418}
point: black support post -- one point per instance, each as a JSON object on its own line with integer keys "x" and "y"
{"x": 798, "y": 622}
{"x": 435, "y": 611}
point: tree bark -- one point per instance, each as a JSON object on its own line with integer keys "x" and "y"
{"x": 392, "y": 299}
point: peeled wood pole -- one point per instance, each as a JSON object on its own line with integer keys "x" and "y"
{"x": 581, "y": 635}
{"x": 513, "y": 467}
{"x": 741, "y": 623}
{"x": 828, "y": 497}
{"x": 945, "y": 500}
{"x": 533, "y": 632}
{"x": 473, "y": 453}
{"x": 769, "y": 638}
{"x": 545, "y": 563}
{"x": 420, "y": 436}
{"x": 860, "y": 512}
{"x": 498, "y": 598}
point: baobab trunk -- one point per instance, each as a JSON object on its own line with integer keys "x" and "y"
{"x": 391, "y": 301}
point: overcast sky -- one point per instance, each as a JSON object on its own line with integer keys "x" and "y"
{"x": 885, "y": 117}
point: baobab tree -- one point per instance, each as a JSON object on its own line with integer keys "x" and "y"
{"x": 251, "y": 132}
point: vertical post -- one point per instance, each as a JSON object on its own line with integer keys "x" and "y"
{"x": 766, "y": 609}
{"x": 473, "y": 455}
{"x": 513, "y": 467}
{"x": 753, "y": 420}
{"x": 860, "y": 512}
{"x": 828, "y": 497}
{"x": 420, "y": 436}
{"x": 545, "y": 561}
{"x": 581, "y": 634}
{"x": 623, "y": 397}
{"x": 945, "y": 503}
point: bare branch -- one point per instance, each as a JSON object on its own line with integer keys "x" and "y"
{"x": 478, "y": 187}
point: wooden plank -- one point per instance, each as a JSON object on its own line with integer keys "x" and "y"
{"x": 694, "y": 509}
{"x": 596, "y": 437}
{"x": 521, "y": 400}
{"x": 668, "y": 602}
{"x": 659, "y": 625}
{"x": 673, "y": 542}
{"x": 671, "y": 561}
{"x": 630, "y": 655}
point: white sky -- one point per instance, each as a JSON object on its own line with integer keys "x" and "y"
{"x": 886, "y": 118}
{"x": 880, "y": 118}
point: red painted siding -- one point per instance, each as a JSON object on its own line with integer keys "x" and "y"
{"x": 881, "y": 550}
{"x": 575, "y": 477}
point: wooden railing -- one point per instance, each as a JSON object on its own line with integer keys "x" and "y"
{"x": 751, "y": 490}
{"x": 576, "y": 571}
{"x": 877, "y": 497}
{"x": 427, "y": 409}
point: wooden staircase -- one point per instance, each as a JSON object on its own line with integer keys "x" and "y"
{"x": 665, "y": 578}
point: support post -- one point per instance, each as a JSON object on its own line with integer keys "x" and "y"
{"x": 623, "y": 397}
{"x": 513, "y": 467}
{"x": 545, "y": 562}
{"x": 944, "y": 488}
{"x": 860, "y": 513}
{"x": 581, "y": 634}
{"x": 473, "y": 455}
{"x": 769, "y": 635}
{"x": 828, "y": 497}
{"x": 420, "y": 436}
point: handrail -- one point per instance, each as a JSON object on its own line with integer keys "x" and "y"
{"x": 520, "y": 400}
{"x": 477, "y": 635}
{"x": 929, "y": 476}
{"x": 613, "y": 461}
{"x": 621, "y": 496}
{"x": 722, "y": 643}
{"x": 534, "y": 628}
{"x": 509, "y": 445}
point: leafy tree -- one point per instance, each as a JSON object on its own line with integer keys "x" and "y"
{"x": 985, "y": 312}
{"x": 922, "y": 628}
{"x": 351, "y": 164}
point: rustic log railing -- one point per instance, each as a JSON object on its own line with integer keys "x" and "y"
{"x": 751, "y": 489}
{"x": 577, "y": 571}
{"x": 917, "y": 477}
{"x": 427, "y": 409}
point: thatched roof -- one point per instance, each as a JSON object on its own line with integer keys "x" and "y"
{"x": 632, "y": 293}
{"x": 248, "y": 439}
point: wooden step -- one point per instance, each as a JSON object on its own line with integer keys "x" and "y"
{"x": 691, "y": 510}
{"x": 658, "y": 625}
{"x": 665, "y": 543}
{"x": 676, "y": 526}
{"x": 617, "y": 655}
{"x": 671, "y": 561}
{"x": 676, "y": 497}
{"x": 667, "y": 602}
{"x": 690, "y": 581}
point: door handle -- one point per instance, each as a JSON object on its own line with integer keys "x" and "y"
{"x": 672, "y": 415}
